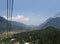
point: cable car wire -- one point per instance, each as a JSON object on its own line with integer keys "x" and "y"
{"x": 9, "y": 13}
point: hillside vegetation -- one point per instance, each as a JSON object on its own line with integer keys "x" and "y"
{"x": 49, "y": 35}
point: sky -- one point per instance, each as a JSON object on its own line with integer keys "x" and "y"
{"x": 31, "y": 12}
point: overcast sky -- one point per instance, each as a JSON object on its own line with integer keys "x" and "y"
{"x": 32, "y": 12}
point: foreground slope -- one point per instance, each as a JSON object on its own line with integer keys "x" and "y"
{"x": 49, "y": 35}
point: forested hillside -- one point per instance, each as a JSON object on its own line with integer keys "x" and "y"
{"x": 49, "y": 35}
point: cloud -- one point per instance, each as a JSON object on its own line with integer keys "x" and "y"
{"x": 18, "y": 18}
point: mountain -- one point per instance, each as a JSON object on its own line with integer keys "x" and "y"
{"x": 12, "y": 25}
{"x": 19, "y": 24}
{"x": 55, "y": 22}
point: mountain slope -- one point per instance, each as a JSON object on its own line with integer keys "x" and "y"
{"x": 55, "y": 22}
{"x": 22, "y": 25}
{"x": 13, "y": 27}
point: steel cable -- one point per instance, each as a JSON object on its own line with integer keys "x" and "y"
{"x": 9, "y": 13}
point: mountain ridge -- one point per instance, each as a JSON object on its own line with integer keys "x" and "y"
{"x": 55, "y": 22}
{"x": 10, "y": 26}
